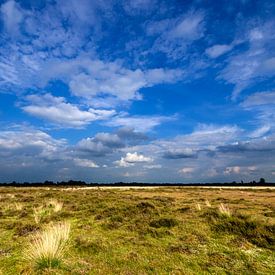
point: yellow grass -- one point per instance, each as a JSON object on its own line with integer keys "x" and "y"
{"x": 47, "y": 247}
{"x": 224, "y": 210}
{"x": 57, "y": 205}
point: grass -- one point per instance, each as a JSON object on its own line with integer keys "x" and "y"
{"x": 136, "y": 231}
{"x": 224, "y": 210}
{"x": 47, "y": 247}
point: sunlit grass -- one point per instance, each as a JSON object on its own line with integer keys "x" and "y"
{"x": 146, "y": 231}
{"x": 56, "y": 205}
{"x": 47, "y": 247}
{"x": 224, "y": 210}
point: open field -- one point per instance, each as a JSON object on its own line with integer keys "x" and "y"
{"x": 166, "y": 230}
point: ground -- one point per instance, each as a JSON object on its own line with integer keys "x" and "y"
{"x": 167, "y": 230}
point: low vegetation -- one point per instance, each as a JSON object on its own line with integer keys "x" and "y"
{"x": 47, "y": 247}
{"x": 168, "y": 230}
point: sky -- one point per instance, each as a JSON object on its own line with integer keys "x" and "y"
{"x": 137, "y": 90}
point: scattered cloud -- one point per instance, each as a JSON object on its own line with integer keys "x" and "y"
{"x": 260, "y": 98}
{"x": 58, "y": 111}
{"x": 240, "y": 170}
{"x": 253, "y": 64}
{"x": 175, "y": 35}
{"x": 131, "y": 159}
{"x": 140, "y": 123}
{"x": 218, "y": 50}
{"x": 186, "y": 170}
{"x": 85, "y": 163}
{"x": 12, "y": 17}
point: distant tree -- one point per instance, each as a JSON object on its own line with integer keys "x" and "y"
{"x": 262, "y": 181}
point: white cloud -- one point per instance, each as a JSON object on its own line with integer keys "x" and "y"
{"x": 203, "y": 137}
{"x": 261, "y": 131}
{"x": 254, "y": 64}
{"x": 132, "y": 158}
{"x": 187, "y": 28}
{"x": 260, "y": 98}
{"x": 175, "y": 35}
{"x": 85, "y": 163}
{"x": 233, "y": 170}
{"x": 57, "y": 110}
{"x": 153, "y": 166}
{"x": 262, "y": 106}
{"x": 12, "y": 16}
{"x": 114, "y": 82}
{"x": 218, "y": 50}
{"x": 140, "y": 123}
{"x": 186, "y": 170}
{"x": 240, "y": 170}
{"x": 26, "y": 142}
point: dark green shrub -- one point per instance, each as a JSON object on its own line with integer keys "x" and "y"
{"x": 164, "y": 222}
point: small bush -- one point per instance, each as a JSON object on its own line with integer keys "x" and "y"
{"x": 262, "y": 235}
{"x": 164, "y": 222}
{"x": 25, "y": 229}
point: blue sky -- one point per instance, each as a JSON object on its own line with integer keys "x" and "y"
{"x": 137, "y": 90}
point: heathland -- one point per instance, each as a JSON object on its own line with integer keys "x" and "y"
{"x": 166, "y": 230}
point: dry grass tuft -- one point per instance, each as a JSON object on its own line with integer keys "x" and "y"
{"x": 198, "y": 206}
{"x": 224, "y": 210}
{"x": 207, "y": 203}
{"x": 18, "y": 206}
{"x": 56, "y": 205}
{"x": 47, "y": 248}
{"x": 38, "y": 213}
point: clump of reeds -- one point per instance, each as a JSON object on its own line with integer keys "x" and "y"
{"x": 207, "y": 203}
{"x": 224, "y": 210}
{"x": 47, "y": 248}
{"x": 56, "y": 205}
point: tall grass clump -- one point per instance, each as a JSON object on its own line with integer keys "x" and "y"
{"x": 47, "y": 247}
{"x": 224, "y": 210}
{"x": 18, "y": 206}
{"x": 56, "y": 205}
{"x": 39, "y": 213}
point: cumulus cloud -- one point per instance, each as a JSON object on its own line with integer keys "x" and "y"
{"x": 85, "y": 163}
{"x": 26, "y": 143}
{"x": 131, "y": 159}
{"x": 104, "y": 143}
{"x": 57, "y": 110}
{"x": 117, "y": 84}
{"x": 266, "y": 144}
